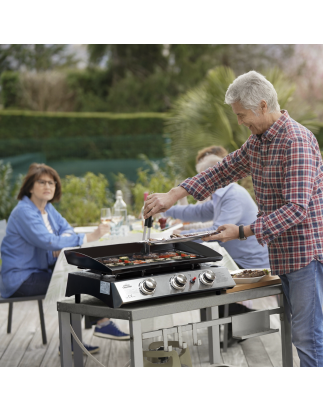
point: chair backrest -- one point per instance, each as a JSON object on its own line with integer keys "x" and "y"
{"x": 3, "y": 225}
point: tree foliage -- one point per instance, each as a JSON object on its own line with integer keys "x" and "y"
{"x": 35, "y": 57}
{"x": 8, "y": 190}
{"x": 83, "y": 198}
{"x": 199, "y": 118}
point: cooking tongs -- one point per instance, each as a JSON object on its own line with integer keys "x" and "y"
{"x": 148, "y": 225}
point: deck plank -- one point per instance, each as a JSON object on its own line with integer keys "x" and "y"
{"x": 51, "y": 357}
{"x": 255, "y": 353}
{"x": 36, "y": 350}
{"x": 21, "y": 338}
{"x": 234, "y": 356}
{"x": 17, "y": 318}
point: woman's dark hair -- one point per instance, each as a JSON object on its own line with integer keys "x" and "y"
{"x": 217, "y": 150}
{"x": 34, "y": 172}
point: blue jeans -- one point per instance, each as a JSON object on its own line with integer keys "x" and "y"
{"x": 36, "y": 284}
{"x": 304, "y": 292}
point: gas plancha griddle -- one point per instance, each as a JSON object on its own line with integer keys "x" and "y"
{"x": 120, "y": 274}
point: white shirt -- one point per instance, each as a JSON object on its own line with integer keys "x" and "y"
{"x": 49, "y": 228}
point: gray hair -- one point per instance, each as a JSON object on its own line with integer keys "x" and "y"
{"x": 250, "y": 89}
{"x": 207, "y": 161}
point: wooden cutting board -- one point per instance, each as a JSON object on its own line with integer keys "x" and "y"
{"x": 266, "y": 280}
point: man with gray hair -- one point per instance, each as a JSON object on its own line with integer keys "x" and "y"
{"x": 284, "y": 160}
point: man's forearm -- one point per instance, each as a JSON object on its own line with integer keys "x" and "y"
{"x": 178, "y": 192}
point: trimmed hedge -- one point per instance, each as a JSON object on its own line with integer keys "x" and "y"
{"x": 81, "y": 135}
{"x": 38, "y": 125}
{"x": 112, "y": 147}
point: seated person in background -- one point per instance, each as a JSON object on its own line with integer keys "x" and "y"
{"x": 36, "y": 232}
{"x": 232, "y": 204}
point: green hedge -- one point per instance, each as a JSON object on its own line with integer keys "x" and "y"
{"x": 82, "y": 135}
{"x": 113, "y": 147}
{"x": 16, "y": 124}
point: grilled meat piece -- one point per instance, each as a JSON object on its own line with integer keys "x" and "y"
{"x": 110, "y": 260}
{"x": 176, "y": 236}
{"x": 250, "y": 274}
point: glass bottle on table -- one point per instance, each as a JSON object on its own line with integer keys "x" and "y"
{"x": 119, "y": 210}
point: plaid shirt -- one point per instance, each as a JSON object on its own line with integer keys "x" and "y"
{"x": 286, "y": 167}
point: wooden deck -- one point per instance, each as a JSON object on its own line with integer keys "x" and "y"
{"x": 24, "y": 348}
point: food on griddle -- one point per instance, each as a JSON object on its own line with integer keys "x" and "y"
{"x": 172, "y": 254}
{"x": 145, "y": 256}
{"x": 176, "y": 236}
{"x": 124, "y": 258}
{"x": 111, "y": 261}
{"x": 251, "y": 274}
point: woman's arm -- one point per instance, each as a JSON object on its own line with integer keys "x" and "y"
{"x": 31, "y": 227}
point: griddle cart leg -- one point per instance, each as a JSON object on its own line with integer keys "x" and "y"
{"x": 65, "y": 339}
{"x": 78, "y": 353}
{"x": 212, "y": 313}
{"x": 136, "y": 352}
{"x": 286, "y": 333}
{"x": 225, "y": 329}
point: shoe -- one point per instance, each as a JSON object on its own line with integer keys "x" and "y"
{"x": 91, "y": 349}
{"x": 110, "y": 331}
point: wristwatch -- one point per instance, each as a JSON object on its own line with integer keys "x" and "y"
{"x": 241, "y": 233}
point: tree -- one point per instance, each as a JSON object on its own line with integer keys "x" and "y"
{"x": 35, "y": 57}
{"x": 139, "y": 59}
{"x": 200, "y": 118}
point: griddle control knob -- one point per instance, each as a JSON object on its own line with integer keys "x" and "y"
{"x": 207, "y": 277}
{"x": 179, "y": 281}
{"x": 148, "y": 286}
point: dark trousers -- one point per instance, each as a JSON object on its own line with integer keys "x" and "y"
{"x": 36, "y": 284}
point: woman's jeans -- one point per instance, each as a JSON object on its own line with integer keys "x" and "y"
{"x": 36, "y": 284}
{"x": 304, "y": 292}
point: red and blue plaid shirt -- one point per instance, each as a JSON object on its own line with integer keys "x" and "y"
{"x": 287, "y": 172}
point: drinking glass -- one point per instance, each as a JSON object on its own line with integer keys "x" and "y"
{"x": 106, "y": 216}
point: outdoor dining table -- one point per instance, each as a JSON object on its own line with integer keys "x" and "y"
{"x": 244, "y": 325}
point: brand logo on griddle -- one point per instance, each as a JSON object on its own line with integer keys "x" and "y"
{"x": 126, "y": 286}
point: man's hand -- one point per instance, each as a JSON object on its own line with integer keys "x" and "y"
{"x": 228, "y": 232}
{"x": 160, "y": 202}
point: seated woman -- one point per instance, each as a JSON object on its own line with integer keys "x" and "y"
{"x": 36, "y": 232}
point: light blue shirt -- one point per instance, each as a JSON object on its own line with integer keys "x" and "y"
{"x": 229, "y": 205}
{"x": 28, "y": 245}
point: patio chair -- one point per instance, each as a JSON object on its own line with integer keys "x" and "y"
{"x": 10, "y": 301}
